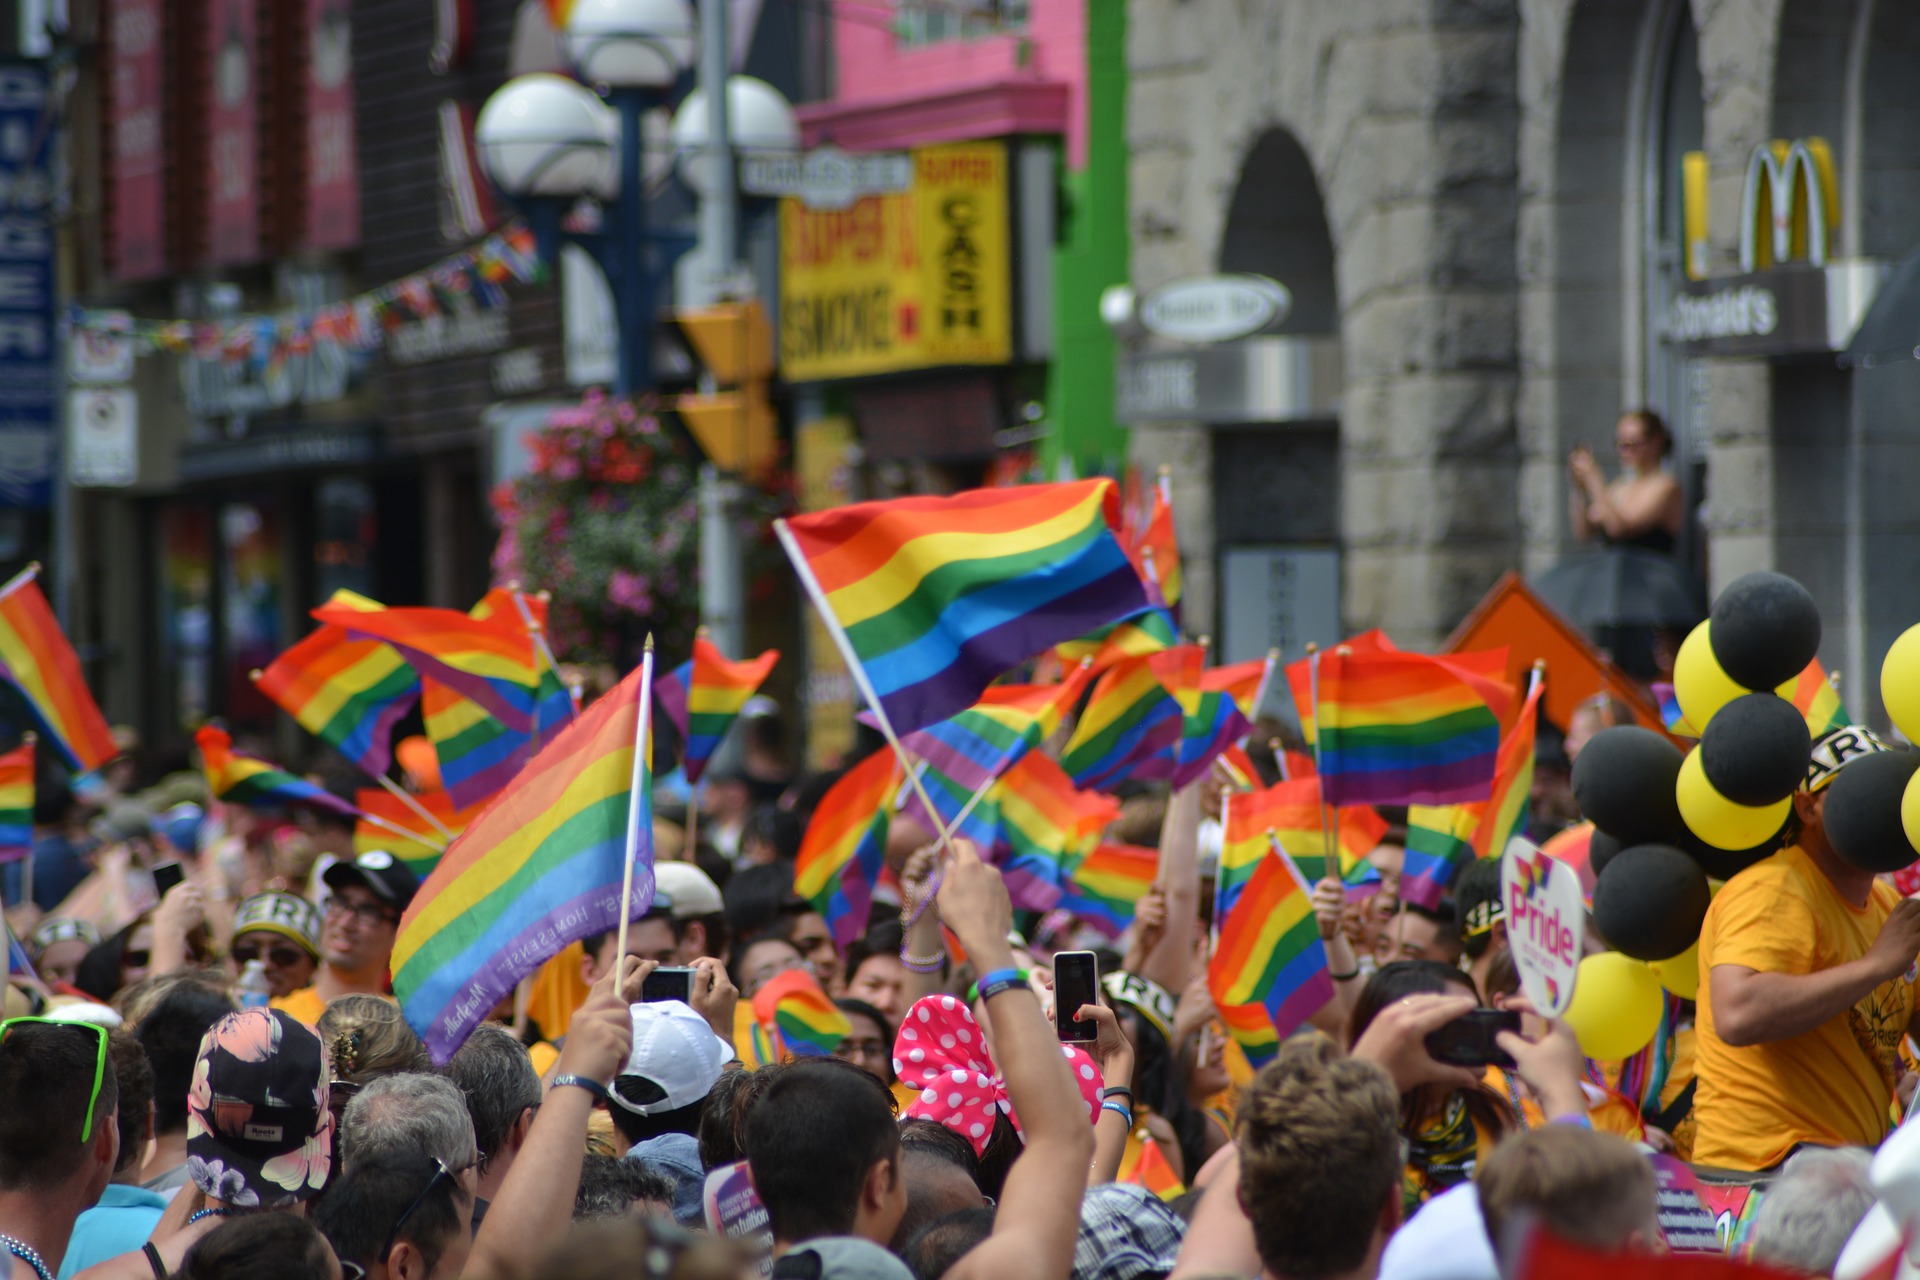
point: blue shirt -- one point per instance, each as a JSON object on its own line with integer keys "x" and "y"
{"x": 119, "y": 1224}
{"x": 678, "y": 1156}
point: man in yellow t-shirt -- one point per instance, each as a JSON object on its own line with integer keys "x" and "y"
{"x": 1807, "y": 966}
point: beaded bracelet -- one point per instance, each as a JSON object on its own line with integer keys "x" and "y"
{"x": 921, "y": 964}
{"x": 992, "y": 984}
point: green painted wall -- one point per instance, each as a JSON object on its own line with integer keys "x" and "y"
{"x": 1090, "y": 256}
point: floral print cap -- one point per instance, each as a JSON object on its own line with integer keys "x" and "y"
{"x": 259, "y": 1133}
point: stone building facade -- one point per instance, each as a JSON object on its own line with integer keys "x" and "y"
{"x": 1483, "y": 200}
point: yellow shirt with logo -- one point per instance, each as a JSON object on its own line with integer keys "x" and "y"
{"x": 1830, "y": 1086}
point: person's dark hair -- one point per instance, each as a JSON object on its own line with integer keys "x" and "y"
{"x": 1319, "y": 1158}
{"x": 718, "y": 869}
{"x": 1160, "y": 1084}
{"x": 944, "y": 1241}
{"x": 496, "y": 1075}
{"x": 754, "y": 895}
{"x": 609, "y": 1187}
{"x": 1004, "y": 1146}
{"x": 1478, "y": 884}
{"x": 46, "y": 1076}
{"x": 135, "y": 1076}
{"x": 723, "y": 1119}
{"x": 98, "y": 973}
{"x": 364, "y": 1202}
{"x": 812, "y": 1137}
{"x": 1655, "y": 426}
{"x": 1445, "y": 916}
{"x": 592, "y": 943}
{"x": 638, "y": 1128}
{"x": 259, "y": 1246}
{"x": 737, "y": 962}
{"x": 884, "y": 937}
{"x": 171, "y": 1033}
{"x": 1394, "y": 982}
{"x": 923, "y": 1137}
{"x": 861, "y": 1009}
{"x": 776, "y": 828}
{"x": 811, "y": 790}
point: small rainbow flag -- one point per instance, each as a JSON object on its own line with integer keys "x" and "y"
{"x": 1153, "y": 1171}
{"x": 843, "y": 850}
{"x": 1291, "y": 811}
{"x": 794, "y": 1007}
{"x": 1300, "y": 677}
{"x": 1222, "y": 714}
{"x": 421, "y": 852}
{"x": 1439, "y": 844}
{"x": 348, "y": 693}
{"x": 1129, "y": 718}
{"x": 37, "y": 659}
{"x": 1045, "y": 823}
{"x": 704, "y": 694}
{"x": 238, "y": 779}
{"x": 1157, "y": 553}
{"x": 1670, "y": 713}
{"x": 1504, "y": 814}
{"x": 933, "y": 598}
{"x": 1149, "y": 631}
{"x": 542, "y": 866}
{"x": 478, "y": 754}
{"x": 16, "y": 803}
{"x": 1403, "y": 728}
{"x": 1269, "y": 952}
{"x": 1813, "y": 693}
{"x": 1105, "y": 886}
{"x": 1251, "y": 1027}
{"x": 489, "y": 660}
{"x": 982, "y": 742}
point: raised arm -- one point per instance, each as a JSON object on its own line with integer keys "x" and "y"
{"x": 1038, "y": 1220}
{"x": 1171, "y": 960}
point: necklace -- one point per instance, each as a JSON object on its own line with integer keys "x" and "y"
{"x": 27, "y": 1254}
{"x": 211, "y": 1213}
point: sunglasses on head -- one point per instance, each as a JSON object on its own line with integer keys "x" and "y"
{"x": 285, "y": 957}
{"x": 99, "y": 1062}
{"x": 441, "y": 1173}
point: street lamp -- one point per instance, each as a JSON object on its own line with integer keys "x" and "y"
{"x": 760, "y": 121}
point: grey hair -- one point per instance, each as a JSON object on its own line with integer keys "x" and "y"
{"x": 1812, "y": 1208}
{"x": 610, "y": 1187}
{"x": 408, "y": 1115}
{"x": 494, "y": 1072}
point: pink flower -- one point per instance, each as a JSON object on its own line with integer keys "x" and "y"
{"x": 251, "y": 1035}
{"x": 306, "y": 1166}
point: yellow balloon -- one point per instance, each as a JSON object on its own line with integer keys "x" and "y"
{"x": 1900, "y": 683}
{"x": 1681, "y": 975}
{"x": 1616, "y": 1006}
{"x": 1718, "y": 820}
{"x": 1702, "y": 687}
{"x": 1910, "y": 808}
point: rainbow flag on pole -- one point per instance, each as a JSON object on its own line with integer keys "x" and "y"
{"x": 238, "y": 779}
{"x": 16, "y": 803}
{"x": 1269, "y": 951}
{"x": 542, "y": 866}
{"x": 1159, "y": 548}
{"x": 1291, "y": 812}
{"x": 489, "y": 660}
{"x": 1813, "y": 692}
{"x": 1105, "y": 886}
{"x": 478, "y": 754}
{"x": 1402, "y": 728}
{"x": 843, "y": 851}
{"x": 703, "y": 695}
{"x": 554, "y": 703}
{"x": 1129, "y": 718}
{"x": 933, "y": 598}
{"x": 1222, "y": 714}
{"x": 381, "y": 812}
{"x": 1439, "y": 844}
{"x": 37, "y": 659}
{"x": 348, "y": 693}
{"x": 1505, "y": 812}
{"x": 984, "y": 741}
{"x": 1300, "y": 678}
{"x": 799, "y": 1017}
{"x": 1045, "y": 824}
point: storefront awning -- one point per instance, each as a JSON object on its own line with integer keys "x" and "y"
{"x": 1891, "y": 329}
{"x": 277, "y": 450}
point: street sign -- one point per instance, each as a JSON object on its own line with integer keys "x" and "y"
{"x": 828, "y": 178}
{"x": 103, "y": 437}
{"x": 1214, "y": 308}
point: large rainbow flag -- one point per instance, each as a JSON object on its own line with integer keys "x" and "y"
{"x": 238, "y": 779}
{"x": 490, "y": 660}
{"x": 37, "y": 659}
{"x": 933, "y": 598}
{"x": 348, "y": 693}
{"x": 1106, "y": 886}
{"x": 1269, "y": 951}
{"x": 844, "y": 848}
{"x": 703, "y": 695}
{"x": 1130, "y": 718}
{"x": 541, "y": 867}
{"x": 16, "y": 803}
{"x": 1402, "y": 728}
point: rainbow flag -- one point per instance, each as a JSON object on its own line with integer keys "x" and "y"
{"x": 1045, "y": 823}
{"x": 795, "y": 1008}
{"x": 1222, "y": 714}
{"x": 348, "y": 693}
{"x": 933, "y": 598}
{"x": 1251, "y": 1027}
{"x": 16, "y": 803}
{"x": 1105, "y": 886}
{"x": 1153, "y": 1171}
{"x": 238, "y": 779}
{"x": 1300, "y": 678}
{"x": 1269, "y": 951}
{"x": 554, "y": 704}
{"x": 841, "y": 854}
{"x": 1129, "y": 718}
{"x": 1402, "y": 728}
{"x": 1291, "y": 811}
{"x": 36, "y": 658}
{"x": 1505, "y": 813}
{"x": 1156, "y": 552}
{"x": 982, "y": 742}
{"x": 422, "y": 850}
{"x": 478, "y": 754}
{"x": 1439, "y": 844}
{"x": 1147, "y": 632}
{"x": 1671, "y": 715}
{"x": 981, "y": 823}
{"x": 542, "y": 866}
{"x": 704, "y": 694}
{"x": 489, "y": 660}
{"x": 1813, "y": 693}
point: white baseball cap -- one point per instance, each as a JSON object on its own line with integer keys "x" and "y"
{"x": 675, "y": 1061}
{"x": 688, "y": 891}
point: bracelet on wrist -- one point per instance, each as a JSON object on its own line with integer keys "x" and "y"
{"x": 1117, "y": 1091}
{"x": 1125, "y": 1115}
{"x": 593, "y": 1087}
{"x": 922, "y": 964}
{"x": 1348, "y": 976}
{"x": 993, "y": 983}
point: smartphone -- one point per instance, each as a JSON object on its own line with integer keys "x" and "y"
{"x": 669, "y": 982}
{"x": 166, "y": 875}
{"x": 1076, "y": 982}
{"x": 1469, "y": 1040}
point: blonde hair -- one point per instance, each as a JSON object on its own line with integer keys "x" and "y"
{"x": 1589, "y": 1189}
{"x": 366, "y": 1038}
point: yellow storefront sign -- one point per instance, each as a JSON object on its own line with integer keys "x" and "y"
{"x": 910, "y": 280}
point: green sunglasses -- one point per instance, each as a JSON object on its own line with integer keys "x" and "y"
{"x": 99, "y": 1062}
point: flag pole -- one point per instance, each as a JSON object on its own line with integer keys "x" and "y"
{"x": 634, "y": 799}
{"x": 20, "y": 579}
{"x": 1279, "y": 751}
{"x": 1329, "y": 825}
{"x": 540, "y": 646}
{"x": 860, "y": 678}
{"x": 397, "y": 829}
{"x": 401, "y": 794}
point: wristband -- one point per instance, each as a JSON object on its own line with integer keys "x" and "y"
{"x": 1117, "y": 1091}
{"x": 593, "y": 1087}
{"x": 992, "y": 984}
{"x": 1120, "y": 1111}
{"x": 1348, "y": 976}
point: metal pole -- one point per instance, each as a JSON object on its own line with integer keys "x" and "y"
{"x": 722, "y": 596}
{"x": 632, "y": 284}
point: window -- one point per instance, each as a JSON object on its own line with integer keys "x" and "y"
{"x": 923, "y": 22}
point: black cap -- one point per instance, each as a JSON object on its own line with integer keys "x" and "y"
{"x": 380, "y": 873}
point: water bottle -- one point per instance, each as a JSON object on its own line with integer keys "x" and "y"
{"x": 252, "y": 990}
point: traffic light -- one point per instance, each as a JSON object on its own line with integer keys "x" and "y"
{"x": 730, "y": 418}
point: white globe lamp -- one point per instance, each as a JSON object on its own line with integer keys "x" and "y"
{"x": 630, "y": 44}
{"x": 546, "y": 135}
{"x": 760, "y": 121}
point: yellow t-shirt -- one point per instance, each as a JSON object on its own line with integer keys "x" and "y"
{"x": 303, "y": 1006}
{"x": 1830, "y": 1086}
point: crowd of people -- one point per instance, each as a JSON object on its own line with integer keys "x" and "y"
{"x": 214, "y": 1082}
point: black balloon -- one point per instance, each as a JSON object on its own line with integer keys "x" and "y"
{"x": 1623, "y": 781}
{"x": 1650, "y": 900}
{"x": 1765, "y": 630}
{"x": 1754, "y": 751}
{"x": 1862, "y": 812}
{"x": 1725, "y": 864}
{"x": 1601, "y": 850}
